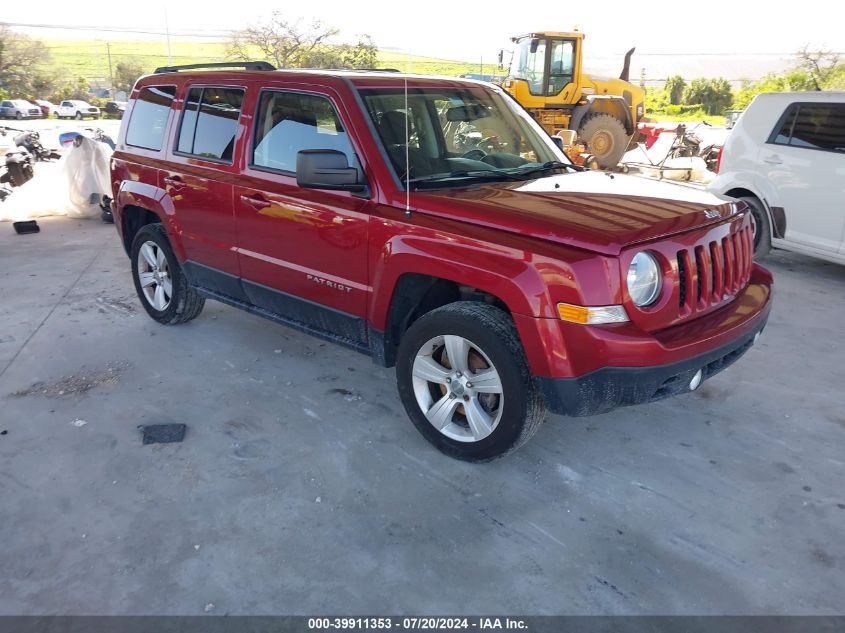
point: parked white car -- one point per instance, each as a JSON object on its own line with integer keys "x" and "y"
{"x": 73, "y": 109}
{"x": 785, "y": 157}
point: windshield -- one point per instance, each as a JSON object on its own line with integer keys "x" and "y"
{"x": 530, "y": 65}
{"x": 458, "y": 133}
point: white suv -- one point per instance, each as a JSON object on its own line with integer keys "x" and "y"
{"x": 77, "y": 109}
{"x": 786, "y": 158}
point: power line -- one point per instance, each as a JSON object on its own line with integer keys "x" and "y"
{"x": 119, "y": 29}
{"x": 227, "y": 33}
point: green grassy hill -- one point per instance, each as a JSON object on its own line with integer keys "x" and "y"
{"x": 90, "y": 58}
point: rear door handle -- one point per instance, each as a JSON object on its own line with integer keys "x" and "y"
{"x": 772, "y": 159}
{"x": 256, "y": 201}
{"x": 174, "y": 181}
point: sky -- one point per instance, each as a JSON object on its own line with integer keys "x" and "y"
{"x": 469, "y": 31}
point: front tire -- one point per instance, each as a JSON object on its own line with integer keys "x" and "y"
{"x": 605, "y": 137}
{"x": 159, "y": 281}
{"x": 78, "y": 116}
{"x": 465, "y": 383}
{"x": 762, "y": 227}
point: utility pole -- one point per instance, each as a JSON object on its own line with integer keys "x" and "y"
{"x": 167, "y": 30}
{"x": 111, "y": 73}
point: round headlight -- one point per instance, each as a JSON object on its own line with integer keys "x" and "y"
{"x": 643, "y": 279}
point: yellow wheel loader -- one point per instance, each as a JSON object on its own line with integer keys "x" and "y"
{"x": 546, "y": 77}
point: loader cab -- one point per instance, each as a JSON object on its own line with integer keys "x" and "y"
{"x": 546, "y": 69}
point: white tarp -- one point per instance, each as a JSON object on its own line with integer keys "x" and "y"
{"x": 63, "y": 187}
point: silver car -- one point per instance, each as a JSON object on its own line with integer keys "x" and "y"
{"x": 19, "y": 109}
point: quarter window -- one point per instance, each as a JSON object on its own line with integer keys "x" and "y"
{"x": 149, "y": 117}
{"x": 210, "y": 123}
{"x": 785, "y": 131}
{"x": 813, "y": 126}
{"x": 289, "y": 122}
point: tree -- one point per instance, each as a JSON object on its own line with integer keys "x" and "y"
{"x": 820, "y": 66}
{"x": 675, "y": 89}
{"x": 290, "y": 44}
{"x": 714, "y": 95}
{"x": 73, "y": 89}
{"x": 287, "y": 42}
{"x": 126, "y": 74}
{"x": 21, "y": 64}
{"x": 362, "y": 54}
{"x": 819, "y": 70}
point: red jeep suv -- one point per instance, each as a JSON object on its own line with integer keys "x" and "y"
{"x": 431, "y": 223}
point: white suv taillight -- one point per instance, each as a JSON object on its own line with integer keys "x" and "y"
{"x": 719, "y": 158}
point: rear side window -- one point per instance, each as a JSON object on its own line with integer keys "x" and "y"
{"x": 149, "y": 117}
{"x": 288, "y": 122}
{"x": 210, "y": 123}
{"x": 813, "y": 126}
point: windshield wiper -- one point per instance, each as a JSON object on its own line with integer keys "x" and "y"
{"x": 550, "y": 165}
{"x": 465, "y": 174}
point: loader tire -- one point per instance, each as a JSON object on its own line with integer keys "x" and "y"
{"x": 605, "y": 137}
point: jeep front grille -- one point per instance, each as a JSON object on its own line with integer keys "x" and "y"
{"x": 712, "y": 272}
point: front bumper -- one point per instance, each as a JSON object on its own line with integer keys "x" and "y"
{"x": 611, "y": 387}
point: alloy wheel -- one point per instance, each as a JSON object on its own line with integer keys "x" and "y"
{"x": 154, "y": 276}
{"x": 458, "y": 388}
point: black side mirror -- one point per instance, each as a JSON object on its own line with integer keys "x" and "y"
{"x": 534, "y": 45}
{"x": 501, "y": 56}
{"x": 558, "y": 141}
{"x": 326, "y": 169}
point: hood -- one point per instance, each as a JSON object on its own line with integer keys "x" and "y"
{"x": 590, "y": 210}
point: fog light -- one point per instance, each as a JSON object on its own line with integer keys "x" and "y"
{"x": 696, "y": 380}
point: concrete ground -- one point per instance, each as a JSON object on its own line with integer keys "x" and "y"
{"x": 302, "y": 488}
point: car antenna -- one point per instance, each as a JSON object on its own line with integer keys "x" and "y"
{"x": 407, "y": 152}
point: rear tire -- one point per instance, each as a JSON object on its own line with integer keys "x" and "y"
{"x": 762, "y": 227}
{"x": 159, "y": 281}
{"x": 490, "y": 408}
{"x": 605, "y": 137}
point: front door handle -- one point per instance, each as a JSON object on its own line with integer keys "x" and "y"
{"x": 772, "y": 159}
{"x": 256, "y": 201}
{"x": 174, "y": 181}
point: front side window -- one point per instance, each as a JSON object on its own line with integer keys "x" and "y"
{"x": 149, "y": 117}
{"x": 529, "y": 61}
{"x": 451, "y": 134}
{"x": 289, "y": 122}
{"x": 813, "y": 126}
{"x": 210, "y": 122}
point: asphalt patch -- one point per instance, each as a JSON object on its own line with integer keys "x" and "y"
{"x": 162, "y": 433}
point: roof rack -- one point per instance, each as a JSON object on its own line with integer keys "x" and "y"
{"x": 344, "y": 70}
{"x": 244, "y": 65}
